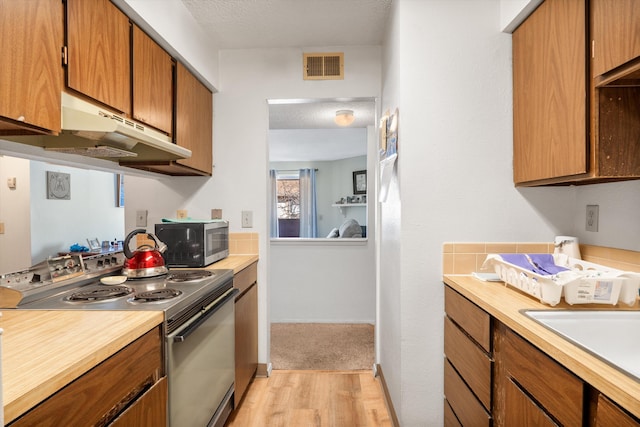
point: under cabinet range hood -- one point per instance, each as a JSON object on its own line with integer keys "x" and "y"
{"x": 90, "y": 130}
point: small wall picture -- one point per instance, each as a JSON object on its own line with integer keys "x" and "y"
{"x": 360, "y": 182}
{"x": 58, "y": 186}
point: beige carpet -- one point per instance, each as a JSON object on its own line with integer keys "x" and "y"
{"x": 323, "y": 346}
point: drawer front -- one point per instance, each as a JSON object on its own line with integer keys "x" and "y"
{"x": 245, "y": 278}
{"x": 466, "y": 407}
{"x": 551, "y": 385}
{"x": 471, "y": 318}
{"x": 470, "y": 361}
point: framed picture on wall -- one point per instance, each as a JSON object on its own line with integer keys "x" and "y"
{"x": 360, "y": 182}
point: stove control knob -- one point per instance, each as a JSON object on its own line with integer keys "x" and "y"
{"x": 100, "y": 263}
{"x": 107, "y": 262}
{"x": 114, "y": 260}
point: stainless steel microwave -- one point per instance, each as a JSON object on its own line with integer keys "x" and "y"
{"x": 193, "y": 244}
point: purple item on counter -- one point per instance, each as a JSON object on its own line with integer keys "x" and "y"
{"x": 542, "y": 264}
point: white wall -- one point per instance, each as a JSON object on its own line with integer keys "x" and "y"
{"x": 90, "y": 213}
{"x": 325, "y": 282}
{"x": 240, "y": 178}
{"x": 15, "y": 243}
{"x": 453, "y": 91}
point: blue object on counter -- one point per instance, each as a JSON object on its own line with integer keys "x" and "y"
{"x": 542, "y": 264}
{"x": 78, "y": 248}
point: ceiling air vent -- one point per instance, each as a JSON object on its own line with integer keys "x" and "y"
{"x": 323, "y": 66}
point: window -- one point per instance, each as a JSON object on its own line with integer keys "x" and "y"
{"x": 288, "y": 204}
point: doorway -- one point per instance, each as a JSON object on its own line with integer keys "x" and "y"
{"x": 322, "y": 290}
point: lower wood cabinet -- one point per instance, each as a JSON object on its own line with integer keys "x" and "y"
{"x": 494, "y": 377}
{"x": 534, "y": 386}
{"x": 246, "y": 318}
{"x": 610, "y": 414}
{"x": 468, "y": 362}
{"x": 127, "y": 389}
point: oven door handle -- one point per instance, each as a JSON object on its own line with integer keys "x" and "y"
{"x": 206, "y": 313}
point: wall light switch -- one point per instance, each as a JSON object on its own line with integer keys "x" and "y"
{"x": 141, "y": 218}
{"x": 247, "y": 219}
{"x": 11, "y": 183}
{"x": 592, "y": 218}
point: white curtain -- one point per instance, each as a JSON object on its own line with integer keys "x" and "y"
{"x": 273, "y": 203}
{"x": 308, "y": 208}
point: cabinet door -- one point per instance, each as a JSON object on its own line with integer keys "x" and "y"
{"x": 615, "y": 29}
{"x": 553, "y": 387}
{"x": 522, "y": 411}
{"x": 99, "y": 66}
{"x": 550, "y": 94}
{"x": 246, "y": 316}
{"x": 609, "y": 414}
{"x": 152, "y": 83}
{"x": 194, "y": 120}
{"x": 31, "y": 40}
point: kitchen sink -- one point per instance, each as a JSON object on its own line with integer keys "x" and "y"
{"x": 613, "y": 336}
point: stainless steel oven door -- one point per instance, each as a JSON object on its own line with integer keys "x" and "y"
{"x": 201, "y": 366}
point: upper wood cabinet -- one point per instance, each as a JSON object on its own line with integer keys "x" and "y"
{"x": 31, "y": 40}
{"x": 99, "y": 52}
{"x": 550, "y": 93}
{"x": 194, "y": 120}
{"x": 152, "y": 83}
{"x": 615, "y": 30}
{"x": 568, "y": 127}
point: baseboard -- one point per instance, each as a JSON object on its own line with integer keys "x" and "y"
{"x": 264, "y": 370}
{"x": 387, "y": 397}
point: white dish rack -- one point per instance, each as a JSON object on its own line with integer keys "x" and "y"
{"x": 584, "y": 283}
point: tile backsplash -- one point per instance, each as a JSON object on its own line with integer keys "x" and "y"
{"x": 243, "y": 243}
{"x": 465, "y": 258}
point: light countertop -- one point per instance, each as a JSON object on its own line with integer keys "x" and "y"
{"x": 42, "y": 351}
{"x": 234, "y": 262}
{"x": 504, "y": 303}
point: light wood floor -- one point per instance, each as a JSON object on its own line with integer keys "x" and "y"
{"x": 313, "y": 399}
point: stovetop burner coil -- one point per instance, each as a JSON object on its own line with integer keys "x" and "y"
{"x": 156, "y": 295}
{"x": 100, "y": 294}
{"x": 186, "y": 276}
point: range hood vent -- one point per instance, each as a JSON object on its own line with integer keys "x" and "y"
{"x": 90, "y": 130}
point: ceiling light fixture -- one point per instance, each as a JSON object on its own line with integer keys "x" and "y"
{"x": 344, "y": 117}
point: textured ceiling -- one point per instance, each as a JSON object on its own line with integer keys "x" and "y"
{"x": 235, "y": 24}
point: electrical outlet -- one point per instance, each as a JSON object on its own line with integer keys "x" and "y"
{"x": 247, "y": 219}
{"x": 141, "y": 218}
{"x": 592, "y": 218}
